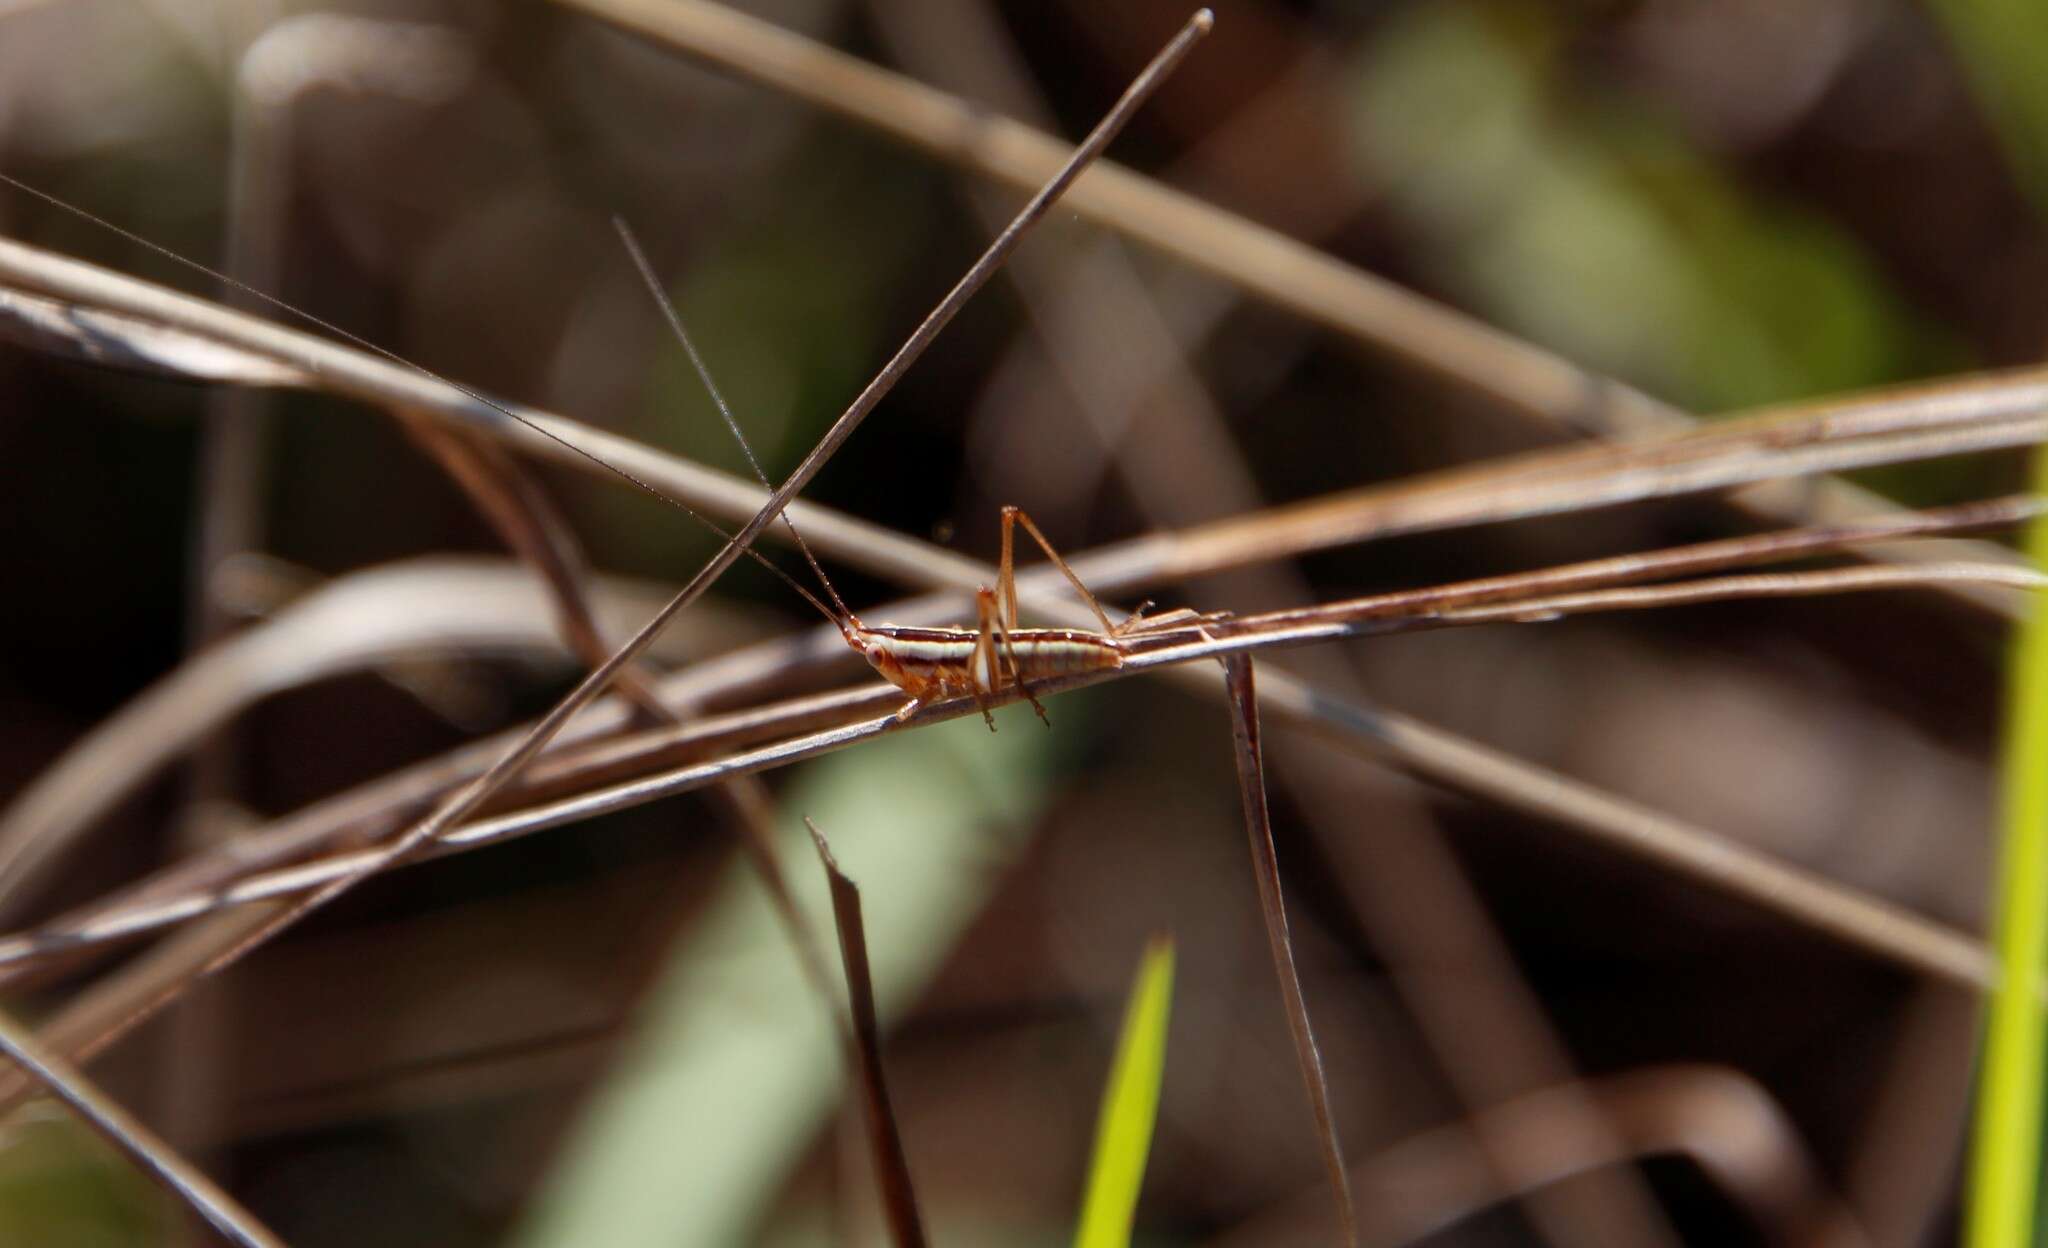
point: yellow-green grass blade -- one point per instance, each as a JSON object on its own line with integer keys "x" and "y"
{"x": 2006, "y": 1148}
{"x": 1130, "y": 1105}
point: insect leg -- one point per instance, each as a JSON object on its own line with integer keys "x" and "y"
{"x": 1006, "y": 573}
{"x": 990, "y": 634}
{"x": 1012, "y": 516}
{"x": 982, "y": 674}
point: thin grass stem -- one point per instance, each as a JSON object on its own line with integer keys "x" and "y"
{"x": 2005, "y": 1153}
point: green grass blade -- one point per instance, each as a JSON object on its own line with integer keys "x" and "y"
{"x": 1130, "y": 1105}
{"x": 2006, "y": 1149}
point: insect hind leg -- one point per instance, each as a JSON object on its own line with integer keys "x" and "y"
{"x": 1007, "y": 581}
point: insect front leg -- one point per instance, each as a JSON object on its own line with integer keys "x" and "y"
{"x": 933, "y": 692}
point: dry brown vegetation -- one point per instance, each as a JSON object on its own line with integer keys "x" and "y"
{"x": 1624, "y": 772}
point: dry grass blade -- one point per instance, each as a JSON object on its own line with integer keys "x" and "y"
{"x": 381, "y": 808}
{"x": 80, "y": 787}
{"x": 365, "y": 373}
{"x": 1984, "y": 515}
{"x": 1459, "y": 349}
{"x": 1842, "y": 912}
{"x": 1260, "y": 260}
{"x": 1171, "y": 648}
{"x": 1757, "y": 585}
{"x": 1487, "y": 1027}
{"x": 1387, "y": 614}
{"x": 1796, "y": 893}
{"x": 1724, "y": 1122}
{"x": 450, "y": 812}
{"x": 1888, "y": 427}
{"x": 99, "y": 1016}
{"x": 1799, "y": 895}
{"x": 132, "y": 343}
{"x": 527, "y": 520}
{"x": 1777, "y": 443}
{"x": 1887, "y": 1183}
{"x": 219, "y": 1210}
{"x": 1251, "y": 779}
{"x": 423, "y": 607}
{"x": 1439, "y": 756}
{"x": 885, "y": 1141}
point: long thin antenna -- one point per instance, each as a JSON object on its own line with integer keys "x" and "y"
{"x": 365, "y": 344}
{"x": 675, "y": 324}
{"x": 322, "y": 323}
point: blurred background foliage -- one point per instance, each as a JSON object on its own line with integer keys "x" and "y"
{"x": 598, "y": 1035}
{"x": 1552, "y": 203}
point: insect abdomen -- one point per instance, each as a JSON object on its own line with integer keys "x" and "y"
{"x": 1063, "y": 654}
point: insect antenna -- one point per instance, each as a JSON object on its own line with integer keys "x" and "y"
{"x": 844, "y": 617}
{"x": 474, "y": 396}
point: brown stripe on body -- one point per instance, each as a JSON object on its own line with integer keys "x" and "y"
{"x": 921, "y": 660}
{"x": 1059, "y": 652}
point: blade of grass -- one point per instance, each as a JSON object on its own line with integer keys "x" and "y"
{"x": 1892, "y": 426}
{"x": 357, "y": 622}
{"x": 1372, "y": 732}
{"x": 218, "y": 1209}
{"x": 1130, "y": 1105}
{"x": 133, "y": 344}
{"x": 885, "y": 1141}
{"x": 514, "y": 503}
{"x": 1251, "y": 778}
{"x": 91, "y": 1021}
{"x": 2005, "y": 1155}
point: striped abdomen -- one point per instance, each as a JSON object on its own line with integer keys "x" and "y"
{"x": 928, "y": 662}
{"x": 1044, "y": 652}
